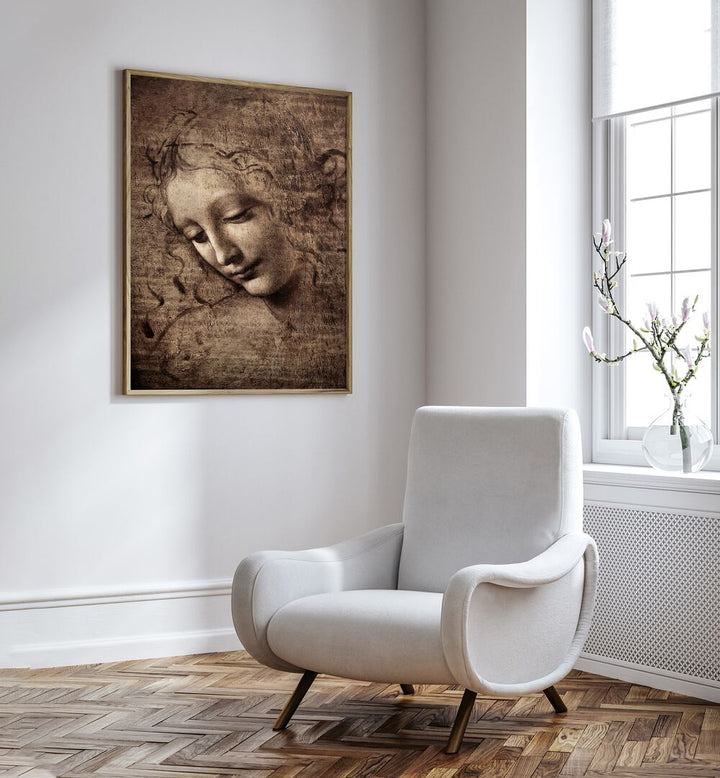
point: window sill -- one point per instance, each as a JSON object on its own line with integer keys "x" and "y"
{"x": 704, "y": 482}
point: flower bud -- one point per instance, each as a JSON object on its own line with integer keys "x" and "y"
{"x": 588, "y": 339}
{"x": 606, "y": 234}
{"x": 685, "y": 311}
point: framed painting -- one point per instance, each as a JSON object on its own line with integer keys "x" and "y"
{"x": 237, "y": 237}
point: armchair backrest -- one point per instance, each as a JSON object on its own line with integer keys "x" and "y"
{"x": 493, "y": 485}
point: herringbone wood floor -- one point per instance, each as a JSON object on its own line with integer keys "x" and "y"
{"x": 212, "y": 715}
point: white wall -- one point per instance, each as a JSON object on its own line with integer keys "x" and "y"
{"x": 476, "y": 202}
{"x": 558, "y": 205}
{"x": 509, "y": 202}
{"x": 123, "y": 518}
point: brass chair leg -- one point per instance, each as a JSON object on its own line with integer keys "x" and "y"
{"x": 555, "y": 699}
{"x": 407, "y": 688}
{"x": 295, "y": 699}
{"x": 461, "y": 722}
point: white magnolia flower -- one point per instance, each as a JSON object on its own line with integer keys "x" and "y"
{"x": 605, "y": 237}
{"x": 687, "y": 353}
{"x": 685, "y": 311}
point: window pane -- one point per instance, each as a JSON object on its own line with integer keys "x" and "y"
{"x": 693, "y": 231}
{"x": 644, "y": 290}
{"x": 648, "y": 159}
{"x": 647, "y": 392}
{"x": 699, "y": 393}
{"x": 687, "y": 108}
{"x": 692, "y": 152}
{"x": 648, "y": 236}
{"x": 645, "y": 388}
{"x": 656, "y": 113}
{"x": 689, "y": 285}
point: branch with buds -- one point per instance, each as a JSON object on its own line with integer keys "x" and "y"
{"x": 658, "y": 335}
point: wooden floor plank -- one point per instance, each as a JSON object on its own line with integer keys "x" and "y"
{"x": 609, "y": 750}
{"x": 209, "y": 716}
{"x": 632, "y": 754}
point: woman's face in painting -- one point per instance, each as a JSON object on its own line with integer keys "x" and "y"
{"x": 232, "y": 226}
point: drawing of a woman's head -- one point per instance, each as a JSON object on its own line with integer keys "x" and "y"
{"x": 245, "y": 188}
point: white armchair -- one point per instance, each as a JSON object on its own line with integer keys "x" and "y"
{"x": 489, "y": 582}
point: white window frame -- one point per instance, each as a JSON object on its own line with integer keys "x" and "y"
{"x": 610, "y": 444}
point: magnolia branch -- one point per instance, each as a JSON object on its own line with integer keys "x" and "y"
{"x": 658, "y": 335}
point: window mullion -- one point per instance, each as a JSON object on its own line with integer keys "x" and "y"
{"x": 673, "y": 225}
{"x": 715, "y": 261}
{"x": 615, "y": 338}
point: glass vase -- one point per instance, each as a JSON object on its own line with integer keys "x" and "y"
{"x": 677, "y": 441}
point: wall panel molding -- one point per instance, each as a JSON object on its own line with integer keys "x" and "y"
{"x": 63, "y": 598}
{"x": 58, "y": 627}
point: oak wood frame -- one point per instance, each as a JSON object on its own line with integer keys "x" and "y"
{"x": 127, "y": 235}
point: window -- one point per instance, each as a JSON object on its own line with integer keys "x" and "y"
{"x": 656, "y": 178}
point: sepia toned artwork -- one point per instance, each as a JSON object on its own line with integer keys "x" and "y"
{"x": 237, "y": 237}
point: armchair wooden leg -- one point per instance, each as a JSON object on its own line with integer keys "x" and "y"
{"x": 407, "y": 688}
{"x": 555, "y": 699}
{"x": 461, "y": 722}
{"x": 295, "y": 699}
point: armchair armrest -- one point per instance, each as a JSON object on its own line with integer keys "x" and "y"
{"x": 267, "y": 580}
{"x": 540, "y": 608}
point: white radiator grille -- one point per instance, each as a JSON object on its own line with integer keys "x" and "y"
{"x": 658, "y": 602}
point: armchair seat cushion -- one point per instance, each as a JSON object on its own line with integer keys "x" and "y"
{"x": 380, "y": 635}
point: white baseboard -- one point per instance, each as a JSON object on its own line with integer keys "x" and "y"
{"x": 83, "y": 652}
{"x": 649, "y": 676}
{"x": 70, "y": 627}
{"x": 56, "y": 628}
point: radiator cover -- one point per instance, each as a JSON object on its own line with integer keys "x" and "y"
{"x": 658, "y": 602}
